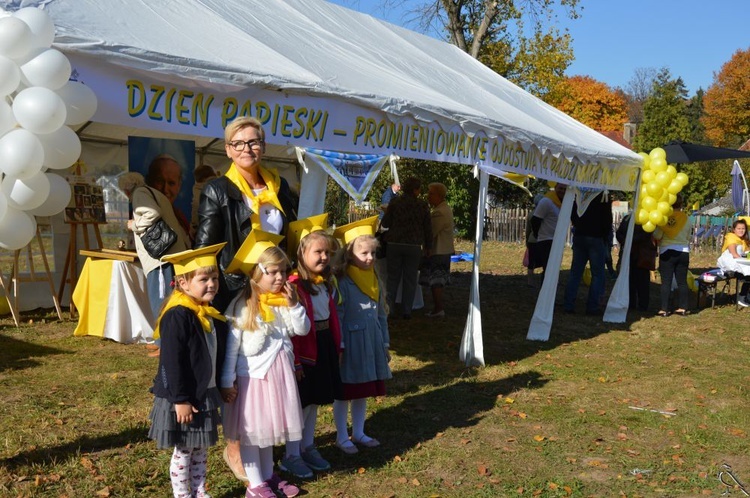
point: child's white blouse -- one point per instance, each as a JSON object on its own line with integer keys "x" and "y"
{"x": 251, "y": 353}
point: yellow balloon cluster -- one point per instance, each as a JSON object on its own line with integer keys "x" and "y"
{"x": 660, "y": 184}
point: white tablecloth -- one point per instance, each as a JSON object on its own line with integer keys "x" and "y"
{"x": 112, "y": 301}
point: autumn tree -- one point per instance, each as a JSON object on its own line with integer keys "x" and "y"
{"x": 727, "y": 103}
{"x": 516, "y": 39}
{"x": 591, "y": 102}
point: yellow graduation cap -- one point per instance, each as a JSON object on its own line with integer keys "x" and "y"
{"x": 299, "y": 229}
{"x": 251, "y": 249}
{"x": 351, "y": 231}
{"x": 190, "y": 260}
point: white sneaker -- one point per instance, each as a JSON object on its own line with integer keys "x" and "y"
{"x": 743, "y": 303}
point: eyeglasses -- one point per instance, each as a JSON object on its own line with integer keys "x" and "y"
{"x": 239, "y": 145}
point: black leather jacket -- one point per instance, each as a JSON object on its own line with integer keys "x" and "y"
{"x": 223, "y": 216}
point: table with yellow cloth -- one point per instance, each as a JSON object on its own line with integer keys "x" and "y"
{"x": 112, "y": 301}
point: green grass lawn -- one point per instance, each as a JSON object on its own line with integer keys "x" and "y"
{"x": 652, "y": 407}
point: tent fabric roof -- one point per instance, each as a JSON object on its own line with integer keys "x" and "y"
{"x": 315, "y": 48}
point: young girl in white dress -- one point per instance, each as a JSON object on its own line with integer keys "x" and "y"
{"x": 258, "y": 372}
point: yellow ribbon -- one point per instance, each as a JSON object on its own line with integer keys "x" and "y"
{"x": 202, "y": 311}
{"x": 366, "y": 280}
{"x": 268, "y": 299}
{"x": 267, "y": 196}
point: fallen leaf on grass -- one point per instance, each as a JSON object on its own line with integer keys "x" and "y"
{"x": 509, "y": 400}
{"x": 737, "y": 432}
{"x": 104, "y": 491}
{"x": 483, "y": 470}
{"x": 552, "y": 486}
{"x": 465, "y": 441}
{"x": 415, "y": 482}
{"x": 361, "y": 470}
{"x": 397, "y": 458}
{"x": 622, "y": 437}
{"x": 402, "y": 480}
{"x": 539, "y": 438}
{"x": 88, "y": 465}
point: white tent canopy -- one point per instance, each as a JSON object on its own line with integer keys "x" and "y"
{"x": 318, "y": 75}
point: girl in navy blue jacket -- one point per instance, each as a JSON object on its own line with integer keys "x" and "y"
{"x": 185, "y": 415}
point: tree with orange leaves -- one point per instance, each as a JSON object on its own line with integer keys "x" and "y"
{"x": 726, "y": 103}
{"x": 591, "y": 102}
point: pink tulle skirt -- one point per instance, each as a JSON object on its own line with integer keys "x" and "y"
{"x": 267, "y": 411}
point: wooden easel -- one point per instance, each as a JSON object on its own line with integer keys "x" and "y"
{"x": 70, "y": 270}
{"x": 16, "y": 278}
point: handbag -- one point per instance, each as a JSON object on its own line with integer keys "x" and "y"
{"x": 158, "y": 238}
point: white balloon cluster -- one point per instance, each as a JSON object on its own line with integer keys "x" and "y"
{"x": 37, "y": 102}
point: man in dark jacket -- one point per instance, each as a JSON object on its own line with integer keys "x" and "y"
{"x": 409, "y": 236}
{"x": 591, "y": 230}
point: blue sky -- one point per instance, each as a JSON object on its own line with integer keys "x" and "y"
{"x": 693, "y": 38}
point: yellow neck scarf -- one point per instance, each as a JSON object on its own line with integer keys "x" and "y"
{"x": 675, "y": 223}
{"x": 366, "y": 280}
{"x": 267, "y": 196}
{"x": 552, "y": 195}
{"x": 202, "y": 311}
{"x": 317, "y": 279}
{"x": 268, "y": 299}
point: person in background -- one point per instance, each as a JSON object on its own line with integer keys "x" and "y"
{"x": 642, "y": 262}
{"x": 736, "y": 245}
{"x": 528, "y": 259}
{"x": 589, "y": 246}
{"x": 409, "y": 237}
{"x": 165, "y": 175}
{"x": 150, "y": 205}
{"x": 185, "y": 415}
{"x": 442, "y": 246}
{"x": 543, "y": 223}
{"x": 202, "y": 175}
{"x": 674, "y": 258}
{"x": 388, "y": 195}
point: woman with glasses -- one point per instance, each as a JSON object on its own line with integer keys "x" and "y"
{"x": 249, "y": 196}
